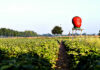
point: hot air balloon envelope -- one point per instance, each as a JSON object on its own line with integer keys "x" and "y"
{"x": 77, "y": 22}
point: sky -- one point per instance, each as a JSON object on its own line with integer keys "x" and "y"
{"x": 42, "y": 15}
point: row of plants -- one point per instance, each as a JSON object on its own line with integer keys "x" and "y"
{"x": 84, "y": 54}
{"x": 28, "y": 54}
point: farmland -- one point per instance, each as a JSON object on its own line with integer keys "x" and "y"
{"x": 42, "y": 53}
{"x": 31, "y": 54}
{"x": 84, "y": 53}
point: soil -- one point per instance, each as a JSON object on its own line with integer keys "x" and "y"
{"x": 63, "y": 60}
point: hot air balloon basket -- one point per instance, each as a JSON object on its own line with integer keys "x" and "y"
{"x": 77, "y": 28}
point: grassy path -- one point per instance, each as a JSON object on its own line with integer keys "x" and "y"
{"x": 63, "y": 60}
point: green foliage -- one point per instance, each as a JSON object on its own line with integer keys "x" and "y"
{"x": 30, "y": 33}
{"x": 99, "y": 33}
{"x": 28, "y": 54}
{"x": 84, "y": 54}
{"x": 9, "y": 32}
{"x": 57, "y": 30}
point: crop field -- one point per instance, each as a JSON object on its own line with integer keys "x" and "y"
{"x": 43, "y": 53}
{"x": 28, "y": 54}
{"x": 84, "y": 53}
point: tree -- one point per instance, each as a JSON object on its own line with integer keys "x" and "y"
{"x": 99, "y": 33}
{"x": 30, "y": 33}
{"x": 57, "y": 30}
{"x": 84, "y": 34}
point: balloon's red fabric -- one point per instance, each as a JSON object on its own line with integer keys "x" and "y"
{"x": 77, "y": 21}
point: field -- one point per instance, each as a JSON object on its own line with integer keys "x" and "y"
{"x": 42, "y": 53}
{"x": 28, "y": 54}
{"x": 84, "y": 53}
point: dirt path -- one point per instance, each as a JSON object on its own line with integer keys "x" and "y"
{"x": 62, "y": 62}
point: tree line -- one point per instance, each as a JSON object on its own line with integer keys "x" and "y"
{"x": 13, "y": 33}
{"x": 4, "y": 32}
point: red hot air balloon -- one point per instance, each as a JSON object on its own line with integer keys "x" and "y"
{"x": 77, "y": 22}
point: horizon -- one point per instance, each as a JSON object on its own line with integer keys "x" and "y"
{"x": 41, "y": 16}
{"x": 51, "y": 33}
